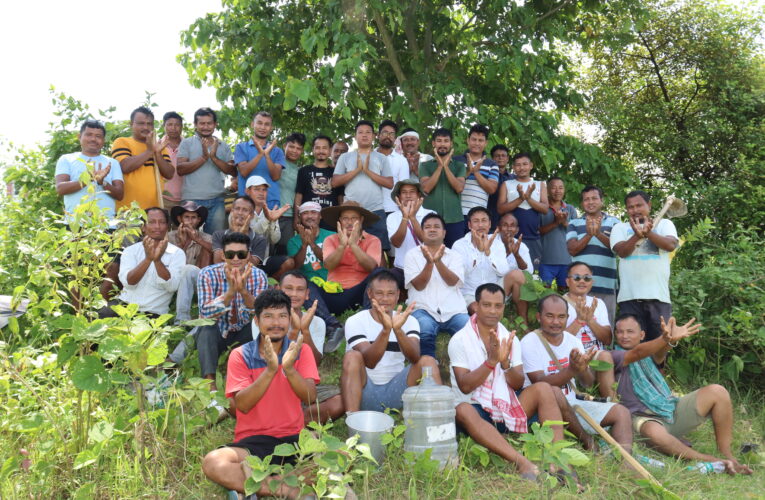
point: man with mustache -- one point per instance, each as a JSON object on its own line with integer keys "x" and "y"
{"x": 262, "y": 157}
{"x": 410, "y": 147}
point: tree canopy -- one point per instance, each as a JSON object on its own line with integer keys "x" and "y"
{"x": 319, "y": 66}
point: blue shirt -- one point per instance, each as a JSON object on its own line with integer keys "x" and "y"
{"x": 246, "y": 151}
{"x": 596, "y": 255}
{"x": 74, "y": 165}
{"x": 473, "y": 194}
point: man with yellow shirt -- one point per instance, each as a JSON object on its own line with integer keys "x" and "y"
{"x": 137, "y": 156}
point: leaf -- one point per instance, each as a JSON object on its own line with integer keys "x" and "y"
{"x": 285, "y": 450}
{"x": 157, "y": 353}
{"x": 66, "y": 351}
{"x": 600, "y": 365}
{"x": 85, "y": 458}
{"x": 575, "y": 457}
{"x": 102, "y": 431}
{"x": 89, "y": 374}
{"x": 13, "y": 324}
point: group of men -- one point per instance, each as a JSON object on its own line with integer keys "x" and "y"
{"x": 454, "y": 237}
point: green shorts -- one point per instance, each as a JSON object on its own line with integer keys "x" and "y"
{"x": 687, "y": 417}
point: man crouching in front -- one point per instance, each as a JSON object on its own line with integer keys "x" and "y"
{"x": 268, "y": 378}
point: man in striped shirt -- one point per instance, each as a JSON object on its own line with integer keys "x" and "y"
{"x": 588, "y": 240}
{"x": 482, "y": 177}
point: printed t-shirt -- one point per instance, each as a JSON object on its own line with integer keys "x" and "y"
{"x": 140, "y": 184}
{"x": 349, "y": 272}
{"x": 585, "y": 333}
{"x": 362, "y": 327}
{"x": 442, "y": 198}
{"x": 312, "y": 266}
{"x": 536, "y": 359}
{"x": 279, "y": 412}
{"x": 315, "y": 184}
{"x": 74, "y": 165}
{"x": 644, "y": 274}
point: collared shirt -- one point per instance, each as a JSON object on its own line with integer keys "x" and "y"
{"x": 246, "y": 151}
{"x": 524, "y": 253}
{"x": 438, "y": 299}
{"x": 264, "y": 227}
{"x": 479, "y": 267}
{"x": 443, "y": 198}
{"x": 393, "y": 222}
{"x": 212, "y": 286}
{"x": 152, "y": 293}
{"x": 194, "y": 249}
{"x": 399, "y": 167}
{"x": 349, "y": 272}
{"x": 598, "y": 256}
{"x": 474, "y": 195}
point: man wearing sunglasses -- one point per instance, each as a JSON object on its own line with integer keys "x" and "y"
{"x": 588, "y": 320}
{"x": 227, "y": 292}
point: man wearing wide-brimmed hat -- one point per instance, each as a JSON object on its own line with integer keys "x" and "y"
{"x": 188, "y": 217}
{"x": 350, "y": 255}
{"x": 404, "y": 229}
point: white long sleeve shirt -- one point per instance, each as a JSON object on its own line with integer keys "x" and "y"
{"x": 152, "y": 293}
{"x": 479, "y": 267}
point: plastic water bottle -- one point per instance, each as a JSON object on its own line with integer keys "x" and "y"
{"x": 429, "y": 418}
{"x": 707, "y": 467}
{"x": 651, "y": 462}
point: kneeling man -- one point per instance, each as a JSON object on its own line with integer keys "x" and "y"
{"x": 656, "y": 413}
{"x": 268, "y": 378}
{"x": 486, "y": 371}
{"x": 380, "y": 340}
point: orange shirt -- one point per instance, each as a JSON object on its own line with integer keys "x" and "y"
{"x": 140, "y": 185}
{"x": 349, "y": 272}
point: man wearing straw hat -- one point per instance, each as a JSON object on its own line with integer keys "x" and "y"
{"x": 350, "y": 256}
{"x": 404, "y": 229}
{"x": 144, "y": 161}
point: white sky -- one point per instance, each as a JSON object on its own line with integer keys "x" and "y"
{"x": 103, "y": 52}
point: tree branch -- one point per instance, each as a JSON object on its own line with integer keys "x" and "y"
{"x": 552, "y": 11}
{"x": 657, "y": 72}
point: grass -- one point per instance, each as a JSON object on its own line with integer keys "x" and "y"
{"x": 174, "y": 470}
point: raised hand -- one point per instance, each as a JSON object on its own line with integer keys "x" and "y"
{"x": 213, "y": 147}
{"x": 579, "y": 362}
{"x": 100, "y": 173}
{"x": 474, "y": 167}
{"x": 638, "y": 227}
{"x": 521, "y": 195}
{"x": 244, "y": 275}
{"x": 439, "y": 253}
{"x": 506, "y": 347}
{"x": 593, "y": 225}
{"x": 529, "y": 191}
{"x": 416, "y": 205}
{"x": 276, "y": 212}
{"x": 405, "y": 208}
{"x": 289, "y": 358}
{"x": 270, "y": 146}
{"x": 672, "y": 333}
{"x": 305, "y": 320}
{"x": 159, "y": 249}
{"x": 429, "y": 258}
{"x": 149, "y": 244}
{"x": 514, "y": 246}
{"x": 272, "y": 360}
{"x": 561, "y": 217}
{"x": 487, "y": 249}
{"x": 584, "y": 313}
{"x": 493, "y": 352}
{"x": 399, "y": 317}
{"x": 385, "y": 318}
{"x": 151, "y": 140}
{"x": 341, "y": 235}
{"x": 355, "y": 235}
{"x": 162, "y": 144}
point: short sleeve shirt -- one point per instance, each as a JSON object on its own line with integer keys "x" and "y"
{"x": 258, "y": 243}
{"x": 140, "y": 184}
{"x": 287, "y": 183}
{"x": 644, "y": 274}
{"x": 473, "y": 195}
{"x": 585, "y": 333}
{"x": 317, "y": 329}
{"x": 362, "y": 188}
{"x": 443, "y": 199}
{"x": 246, "y": 151}
{"x": 598, "y": 256}
{"x": 625, "y": 389}
{"x": 312, "y": 266}
{"x": 362, "y": 327}
{"x": 554, "y": 248}
{"x": 536, "y": 358}
{"x": 74, "y": 165}
{"x": 315, "y": 184}
{"x": 208, "y": 181}
{"x": 399, "y": 168}
{"x": 194, "y": 249}
{"x": 349, "y": 272}
{"x": 393, "y": 222}
{"x": 279, "y": 412}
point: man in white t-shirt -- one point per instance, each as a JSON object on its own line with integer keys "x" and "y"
{"x": 433, "y": 275}
{"x": 644, "y": 255}
{"x": 379, "y": 342}
{"x": 483, "y": 255}
{"x": 571, "y": 363}
{"x": 588, "y": 321}
{"x": 486, "y": 371}
{"x": 518, "y": 261}
{"x": 404, "y": 230}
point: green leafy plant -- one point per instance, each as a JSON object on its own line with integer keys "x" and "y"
{"x": 538, "y": 446}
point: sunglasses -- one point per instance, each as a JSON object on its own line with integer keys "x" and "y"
{"x": 579, "y": 277}
{"x": 241, "y": 254}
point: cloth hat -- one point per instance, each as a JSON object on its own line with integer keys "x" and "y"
{"x": 331, "y": 215}
{"x": 309, "y": 206}
{"x": 396, "y": 191}
{"x": 187, "y": 206}
{"x": 255, "y": 180}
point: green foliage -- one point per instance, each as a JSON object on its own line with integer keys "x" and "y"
{"x": 538, "y": 446}
{"x": 720, "y": 283}
{"x": 321, "y": 66}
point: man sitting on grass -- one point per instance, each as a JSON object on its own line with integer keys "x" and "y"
{"x": 268, "y": 378}
{"x": 658, "y": 415}
{"x": 487, "y": 370}
{"x": 380, "y": 340}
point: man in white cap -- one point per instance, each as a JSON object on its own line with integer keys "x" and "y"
{"x": 265, "y": 222}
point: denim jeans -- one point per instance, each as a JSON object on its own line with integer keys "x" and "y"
{"x": 429, "y": 328}
{"x": 186, "y": 289}
{"x": 216, "y": 214}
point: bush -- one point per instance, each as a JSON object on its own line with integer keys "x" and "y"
{"x": 720, "y": 282}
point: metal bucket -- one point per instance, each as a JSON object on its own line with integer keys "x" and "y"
{"x": 370, "y": 426}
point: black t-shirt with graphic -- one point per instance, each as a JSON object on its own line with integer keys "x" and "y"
{"x": 314, "y": 184}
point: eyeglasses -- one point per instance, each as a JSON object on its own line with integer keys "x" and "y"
{"x": 579, "y": 277}
{"x": 241, "y": 254}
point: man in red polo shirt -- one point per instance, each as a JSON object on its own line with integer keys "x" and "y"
{"x": 268, "y": 379}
